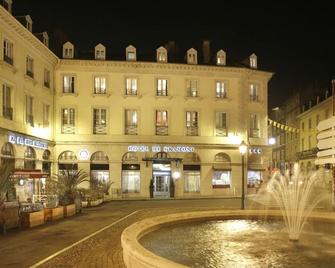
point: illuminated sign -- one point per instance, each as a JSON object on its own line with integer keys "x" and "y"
{"x": 158, "y": 148}
{"x": 255, "y": 151}
{"x": 84, "y": 154}
{"x": 21, "y": 140}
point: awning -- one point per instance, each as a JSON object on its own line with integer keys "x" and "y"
{"x": 32, "y": 174}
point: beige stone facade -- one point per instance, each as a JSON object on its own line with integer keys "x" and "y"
{"x": 134, "y": 123}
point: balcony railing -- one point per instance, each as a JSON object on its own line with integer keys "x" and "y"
{"x": 68, "y": 90}
{"x": 307, "y": 153}
{"x": 192, "y": 131}
{"x": 221, "y": 95}
{"x": 254, "y": 98}
{"x": 192, "y": 93}
{"x": 131, "y": 130}
{"x": 7, "y": 112}
{"x": 99, "y": 129}
{"x": 30, "y": 73}
{"x": 7, "y": 59}
{"x": 30, "y": 119}
{"x": 68, "y": 129}
{"x": 221, "y": 132}
{"x": 162, "y": 130}
{"x": 254, "y": 133}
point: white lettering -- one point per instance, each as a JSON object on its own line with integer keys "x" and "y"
{"x": 27, "y": 142}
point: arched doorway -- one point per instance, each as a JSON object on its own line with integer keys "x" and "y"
{"x": 100, "y": 166}
{"x": 161, "y": 175}
{"x": 131, "y": 173}
{"x": 29, "y": 158}
{"x": 7, "y": 155}
{"x": 67, "y": 160}
{"x": 192, "y": 169}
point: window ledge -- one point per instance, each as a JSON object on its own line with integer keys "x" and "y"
{"x": 222, "y": 99}
{"x": 28, "y": 78}
{"x": 222, "y": 186}
{"x": 164, "y": 97}
{"x": 62, "y": 94}
{"x": 139, "y": 96}
{"x": 193, "y": 98}
{"x": 8, "y": 66}
{"x": 107, "y": 95}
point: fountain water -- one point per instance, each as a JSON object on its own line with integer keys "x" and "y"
{"x": 297, "y": 195}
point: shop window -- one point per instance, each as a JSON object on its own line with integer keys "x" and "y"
{"x": 100, "y": 166}
{"x": 29, "y": 158}
{"x": 221, "y": 179}
{"x": 131, "y": 176}
{"x": 191, "y": 178}
{"x": 67, "y": 161}
{"x": 254, "y": 178}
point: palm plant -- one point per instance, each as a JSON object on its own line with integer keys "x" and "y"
{"x": 6, "y": 183}
{"x": 67, "y": 182}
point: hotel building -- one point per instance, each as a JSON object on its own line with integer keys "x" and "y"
{"x": 155, "y": 129}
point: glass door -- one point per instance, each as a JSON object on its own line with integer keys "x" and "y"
{"x": 161, "y": 177}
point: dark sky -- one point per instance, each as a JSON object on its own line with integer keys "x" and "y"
{"x": 295, "y": 41}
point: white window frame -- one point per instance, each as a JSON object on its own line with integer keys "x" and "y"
{"x": 220, "y": 90}
{"x": 69, "y": 79}
{"x": 70, "y": 119}
{"x": 100, "y": 84}
{"x": 30, "y": 66}
{"x": 8, "y": 51}
{"x": 131, "y": 86}
{"x": 192, "y": 88}
{"x": 162, "y": 87}
{"x": 46, "y": 82}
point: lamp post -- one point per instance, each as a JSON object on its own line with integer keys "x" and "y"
{"x": 243, "y": 149}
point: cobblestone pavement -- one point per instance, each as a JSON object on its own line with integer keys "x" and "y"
{"x": 25, "y": 248}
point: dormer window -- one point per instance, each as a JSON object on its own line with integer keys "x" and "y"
{"x": 161, "y": 54}
{"x": 192, "y": 56}
{"x": 7, "y": 4}
{"x": 68, "y": 50}
{"x": 45, "y": 39}
{"x": 100, "y": 52}
{"x": 253, "y": 61}
{"x": 221, "y": 57}
{"x": 131, "y": 53}
{"x": 29, "y": 23}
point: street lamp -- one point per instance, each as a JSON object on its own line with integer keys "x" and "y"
{"x": 243, "y": 149}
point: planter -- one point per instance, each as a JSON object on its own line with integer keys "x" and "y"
{"x": 97, "y": 202}
{"x": 84, "y": 204}
{"x": 52, "y": 214}
{"x": 69, "y": 210}
{"x": 32, "y": 219}
{"x": 9, "y": 216}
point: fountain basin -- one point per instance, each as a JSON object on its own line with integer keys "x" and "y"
{"x": 135, "y": 255}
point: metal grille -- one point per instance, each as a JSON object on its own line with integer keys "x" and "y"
{"x": 131, "y": 130}
{"x": 7, "y": 112}
{"x": 254, "y": 133}
{"x": 192, "y": 131}
{"x": 221, "y": 132}
{"x": 162, "y": 131}
{"x": 68, "y": 129}
{"x": 100, "y": 129}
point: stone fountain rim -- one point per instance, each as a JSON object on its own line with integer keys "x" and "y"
{"x": 135, "y": 255}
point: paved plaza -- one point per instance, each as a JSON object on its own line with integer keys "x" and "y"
{"x": 30, "y": 247}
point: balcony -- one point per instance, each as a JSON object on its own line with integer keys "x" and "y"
{"x": 254, "y": 133}
{"x": 254, "y": 98}
{"x": 131, "y": 130}
{"x": 7, "y": 112}
{"x": 69, "y": 90}
{"x": 30, "y": 73}
{"x": 311, "y": 153}
{"x": 222, "y": 132}
{"x": 7, "y": 59}
{"x": 99, "y": 129}
{"x": 30, "y": 119}
{"x": 221, "y": 95}
{"x": 68, "y": 129}
{"x": 191, "y": 131}
{"x": 162, "y": 130}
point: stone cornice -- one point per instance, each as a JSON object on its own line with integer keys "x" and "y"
{"x": 155, "y": 66}
{"x": 16, "y": 27}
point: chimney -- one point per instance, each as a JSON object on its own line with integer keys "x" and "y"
{"x": 171, "y": 50}
{"x": 317, "y": 99}
{"x": 206, "y": 51}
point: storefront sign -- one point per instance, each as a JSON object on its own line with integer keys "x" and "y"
{"x": 255, "y": 150}
{"x": 21, "y": 140}
{"x": 158, "y": 148}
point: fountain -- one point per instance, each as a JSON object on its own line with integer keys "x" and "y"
{"x": 297, "y": 195}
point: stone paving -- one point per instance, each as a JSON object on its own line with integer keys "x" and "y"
{"x": 23, "y": 249}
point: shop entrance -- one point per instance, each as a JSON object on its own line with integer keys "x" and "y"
{"x": 161, "y": 178}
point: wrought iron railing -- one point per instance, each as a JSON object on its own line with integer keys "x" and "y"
{"x": 99, "y": 129}
{"x": 131, "y": 130}
{"x": 162, "y": 130}
{"x": 7, "y": 112}
{"x": 192, "y": 131}
{"x": 68, "y": 129}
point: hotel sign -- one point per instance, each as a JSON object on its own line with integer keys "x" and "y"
{"x": 21, "y": 140}
{"x": 158, "y": 148}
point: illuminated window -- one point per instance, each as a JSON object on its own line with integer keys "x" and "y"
{"x": 221, "y": 58}
{"x": 30, "y": 66}
{"x": 68, "y": 120}
{"x": 253, "y": 93}
{"x": 131, "y": 86}
{"x": 8, "y": 51}
{"x": 192, "y": 88}
{"x": 220, "y": 90}
{"x": 46, "y": 78}
{"x": 162, "y": 87}
{"x": 29, "y": 111}
{"x": 46, "y": 114}
{"x": 131, "y": 177}
{"x": 254, "y": 178}
{"x": 254, "y": 126}
{"x": 100, "y": 52}
{"x": 131, "y": 53}
{"x": 68, "y": 84}
{"x": 220, "y": 124}
{"x": 253, "y": 61}
{"x": 161, "y": 54}
{"x": 131, "y": 122}
{"x": 7, "y": 110}
{"x": 99, "y": 121}
{"x": 221, "y": 178}
{"x": 161, "y": 122}
{"x": 192, "y": 56}
{"x": 192, "y": 123}
{"x": 191, "y": 178}
{"x": 100, "y": 85}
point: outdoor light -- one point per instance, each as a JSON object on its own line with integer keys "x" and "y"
{"x": 84, "y": 154}
{"x": 243, "y": 149}
{"x": 272, "y": 141}
{"x": 21, "y": 182}
{"x": 176, "y": 174}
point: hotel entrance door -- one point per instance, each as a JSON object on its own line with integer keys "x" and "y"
{"x": 161, "y": 176}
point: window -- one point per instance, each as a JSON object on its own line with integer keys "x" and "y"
{"x": 131, "y": 122}
{"x": 309, "y": 123}
{"x": 131, "y": 55}
{"x": 30, "y": 67}
{"x": 221, "y": 178}
{"x": 68, "y": 84}
{"x": 7, "y": 110}
{"x": 302, "y": 126}
{"x": 221, "y": 57}
{"x": 46, "y": 113}
{"x": 254, "y": 178}
{"x": 161, "y": 122}
{"x": 309, "y": 142}
{"x": 192, "y": 56}
{"x": 29, "y": 158}
{"x": 131, "y": 175}
{"x": 131, "y": 86}
{"x": 327, "y": 114}
{"x": 162, "y": 89}
{"x": 192, "y": 88}
{"x": 302, "y": 144}
{"x": 253, "y": 61}
{"x": 191, "y": 123}
{"x": 29, "y": 110}
{"x": 254, "y": 93}
{"x": 68, "y": 52}
{"x": 46, "y": 78}
{"x": 220, "y": 90}
{"x": 317, "y": 119}
{"x": 8, "y": 51}
{"x": 254, "y": 126}
{"x": 192, "y": 181}
{"x": 99, "y": 121}
{"x": 100, "y": 85}
{"x": 161, "y": 54}
{"x": 100, "y": 54}
{"x": 220, "y": 124}
{"x": 68, "y": 120}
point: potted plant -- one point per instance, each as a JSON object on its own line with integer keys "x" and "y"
{"x": 9, "y": 211}
{"x": 67, "y": 182}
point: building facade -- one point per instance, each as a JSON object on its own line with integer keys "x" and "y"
{"x": 155, "y": 129}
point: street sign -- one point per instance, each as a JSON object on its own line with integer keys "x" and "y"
{"x": 326, "y": 142}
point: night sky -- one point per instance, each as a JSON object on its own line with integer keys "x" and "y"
{"x": 293, "y": 41}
